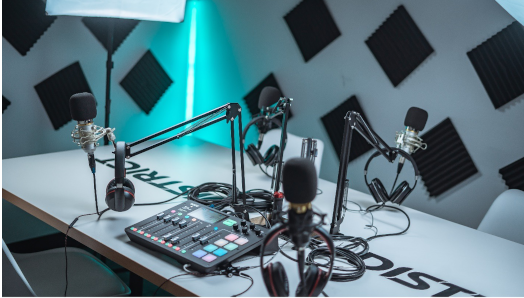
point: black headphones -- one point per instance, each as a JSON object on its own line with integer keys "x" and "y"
{"x": 379, "y": 192}
{"x": 120, "y": 192}
{"x": 252, "y": 151}
{"x": 275, "y": 276}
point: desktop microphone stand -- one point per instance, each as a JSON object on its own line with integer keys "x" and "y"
{"x": 233, "y": 111}
{"x": 353, "y": 121}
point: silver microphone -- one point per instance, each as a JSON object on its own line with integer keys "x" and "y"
{"x": 408, "y": 139}
{"x": 86, "y": 134}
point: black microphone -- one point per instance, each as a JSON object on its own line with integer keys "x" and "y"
{"x": 300, "y": 188}
{"x": 408, "y": 140}
{"x": 268, "y": 97}
{"x": 83, "y": 109}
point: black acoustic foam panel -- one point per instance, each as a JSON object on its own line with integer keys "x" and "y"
{"x": 55, "y": 91}
{"x": 499, "y": 63}
{"x": 24, "y": 22}
{"x": 399, "y": 46}
{"x": 513, "y": 174}
{"x": 312, "y": 27}
{"x": 446, "y": 162}
{"x": 5, "y": 103}
{"x": 99, "y": 28}
{"x": 146, "y": 82}
{"x": 252, "y": 97}
{"x": 334, "y": 124}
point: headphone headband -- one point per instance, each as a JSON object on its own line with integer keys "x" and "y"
{"x": 120, "y": 159}
{"x": 399, "y": 151}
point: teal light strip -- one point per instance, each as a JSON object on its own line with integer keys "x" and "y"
{"x": 190, "y": 91}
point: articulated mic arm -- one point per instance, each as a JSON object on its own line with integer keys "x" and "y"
{"x": 353, "y": 121}
{"x": 232, "y": 111}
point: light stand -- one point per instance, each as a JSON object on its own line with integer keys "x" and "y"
{"x": 353, "y": 121}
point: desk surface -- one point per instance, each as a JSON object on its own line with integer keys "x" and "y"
{"x": 442, "y": 255}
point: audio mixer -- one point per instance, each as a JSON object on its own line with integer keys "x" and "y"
{"x": 195, "y": 234}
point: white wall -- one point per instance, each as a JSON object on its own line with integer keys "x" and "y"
{"x": 240, "y": 42}
{"x": 446, "y": 85}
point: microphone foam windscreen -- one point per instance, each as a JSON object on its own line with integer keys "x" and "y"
{"x": 416, "y": 118}
{"x": 299, "y": 181}
{"x": 268, "y": 97}
{"x": 82, "y": 106}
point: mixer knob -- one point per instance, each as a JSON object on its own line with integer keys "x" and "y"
{"x": 259, "y": 232}
{"x": 159, "y": 216}
{"x": 235, "y": 227}
{"x": 245, "y": 231}
{"x": 252, "y": 226}
{"x": 182, "y": 224}
{"x": 243, "y": 222}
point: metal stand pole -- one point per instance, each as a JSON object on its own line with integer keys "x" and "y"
{"x": 109, "y": 66}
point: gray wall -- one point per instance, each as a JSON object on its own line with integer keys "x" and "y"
{"x": 446, "y": 85}
{"x": 239, "y": 43}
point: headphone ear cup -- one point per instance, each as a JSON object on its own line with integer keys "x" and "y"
{"x": 254, "y": 155}
{"x": 378, "y": 191}
{"x": 271, "y": 155}
{"x": 275, "y": 279}
{"x": 401, "y": 193}
{"x": 128, "y": 183}
{"x": 316, "y": 280}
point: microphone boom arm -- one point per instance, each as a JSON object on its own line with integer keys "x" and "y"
{"x": 353, "y": 121}
{"x": 233, "y": 111}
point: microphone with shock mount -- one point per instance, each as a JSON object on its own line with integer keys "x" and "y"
{"x": 300, "y": 188}
{"x": 408, "y": 139}
{"x": 86, "y": 135}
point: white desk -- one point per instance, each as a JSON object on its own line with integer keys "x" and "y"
{"x": 57, "y": 187}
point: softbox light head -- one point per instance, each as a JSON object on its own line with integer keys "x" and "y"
{"x": 158, "y": 10}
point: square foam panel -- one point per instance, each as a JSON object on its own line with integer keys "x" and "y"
{"x": 499, "y": 63}
{"x": 24, "y": 22}
{"x": 99, "y": 28}
{"x": 252, "y": 97}
{"x": 334, "y": 124}
{"x": 399, "y": 46}
{"x": 312, "y": 27}
{"x": 446, "y": 161}
{"x": 513, "y": 174}
{"x": 5, "y": 103}
{"x": 55, "y": 91}
{"x": 146, "y": 82}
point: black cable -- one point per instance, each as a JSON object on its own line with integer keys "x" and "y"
{"x": 394, "y": 183}
{"x": 65, "y": 247}
{"x": 160, "y": 286}
{"x": 355, "y": 271}
{"x": 391, "y": 234}
{"x": 264, "y": 171}
{"x": 245, "y": 276}
{"x": 96, "y": 197}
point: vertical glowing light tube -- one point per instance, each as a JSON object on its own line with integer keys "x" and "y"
{"x": 190, "y": 91}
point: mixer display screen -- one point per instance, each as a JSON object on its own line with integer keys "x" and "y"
{"x": 207, "y": 215}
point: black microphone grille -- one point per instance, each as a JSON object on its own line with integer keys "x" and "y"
{"x": 268, "y": 97}
{"x": 416, "y": 118}
{"x": 82, "y": 106}
{"x": 299, "y": 180}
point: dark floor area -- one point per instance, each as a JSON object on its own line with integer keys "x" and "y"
{"x": 140, "y": 287}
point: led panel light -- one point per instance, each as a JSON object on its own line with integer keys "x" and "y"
{"x": 158, "y": 10}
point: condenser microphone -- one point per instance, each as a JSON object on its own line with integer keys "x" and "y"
{"x": 408, "y": 139}
{"x": 268, "y": 97}
{"x": 300, "y": 188}
{"x": 83, "y": 110}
